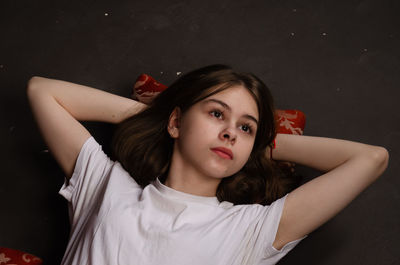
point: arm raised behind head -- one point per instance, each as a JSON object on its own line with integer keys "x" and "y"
{"x": 350, "y": 167}
{"x": 58, "y": 106}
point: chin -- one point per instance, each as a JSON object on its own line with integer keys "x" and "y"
{"x": 218, "y": 170}
{"x": 219, "y": 175}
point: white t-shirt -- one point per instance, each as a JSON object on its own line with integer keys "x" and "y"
{"x": 115, "y": 221}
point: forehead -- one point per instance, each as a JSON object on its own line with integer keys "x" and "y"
{"x": 238, "y": 98}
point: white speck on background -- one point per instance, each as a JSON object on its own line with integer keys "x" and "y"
{"x": 178, "y": 73}
{"x": 45, "y": 151}
{"x": 365, "y": 50}
{"x": 161, "y": 72}
{"x": 292, "y": 33}
{"x": 105, "y": 14}
{"x": 324, "y": 34}
{"x": 294, "y": 9}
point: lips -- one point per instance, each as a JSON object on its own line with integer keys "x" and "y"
{"x": 223, "y": 152}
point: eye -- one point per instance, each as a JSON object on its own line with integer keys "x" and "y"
{"x": 247, "y": 128}
{"x": 216, "y": 113}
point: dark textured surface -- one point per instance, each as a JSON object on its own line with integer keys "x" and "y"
{"x": 339, "y": 62}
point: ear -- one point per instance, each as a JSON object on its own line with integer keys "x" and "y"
{"x": 174, "y": 122}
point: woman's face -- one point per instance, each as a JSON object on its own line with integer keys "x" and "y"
{"x": 227, "y": 119}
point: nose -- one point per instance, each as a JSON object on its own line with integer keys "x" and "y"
{"x": 229, "y": 135}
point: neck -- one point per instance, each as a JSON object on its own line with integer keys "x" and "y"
{"x": 188, "y": 180}
{"x": 192, "y": 186}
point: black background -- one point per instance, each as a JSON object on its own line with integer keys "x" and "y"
{"x": 337, "y": 61}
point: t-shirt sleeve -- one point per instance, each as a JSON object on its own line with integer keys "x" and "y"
{"x": 270, "y": 219}
{"x": 88, "y": 180}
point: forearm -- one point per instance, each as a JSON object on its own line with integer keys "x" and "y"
{"x": 352, "y": 167}
{"x": 86, "y": 103}
{"x": 320, "y": 153}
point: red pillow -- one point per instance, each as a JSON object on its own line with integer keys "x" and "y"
{"x": 146, "y": 88}
{"x": 10, "y": 256}
{"x": 290, "y": 121}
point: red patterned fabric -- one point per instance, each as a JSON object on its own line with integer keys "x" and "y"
{"x": 288, "y": 121}
{"x": 146, "y": 88}
{"x": 10, "y": 256}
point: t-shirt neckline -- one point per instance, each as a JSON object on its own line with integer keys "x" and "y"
{"x": 170, "y": 192}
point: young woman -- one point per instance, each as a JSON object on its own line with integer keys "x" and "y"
{"x": 190, "y": 180}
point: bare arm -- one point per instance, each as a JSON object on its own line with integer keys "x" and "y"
{"x": 58, "y": 106}
{"x": 350, "y": 167}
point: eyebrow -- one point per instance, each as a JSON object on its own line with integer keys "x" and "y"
{"x": 226, "y": 106}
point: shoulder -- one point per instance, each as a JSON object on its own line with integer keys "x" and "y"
{"x": 261, "y": 213}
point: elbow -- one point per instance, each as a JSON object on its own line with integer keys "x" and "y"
{"x": 380, "y": 156}
{"x": 33, "y": 84}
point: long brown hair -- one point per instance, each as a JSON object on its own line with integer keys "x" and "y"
{"x": 143, "y": 146}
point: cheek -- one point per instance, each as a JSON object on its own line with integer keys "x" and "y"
{"x": 199, "y": 131}
{"x": 246, "y": 151}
